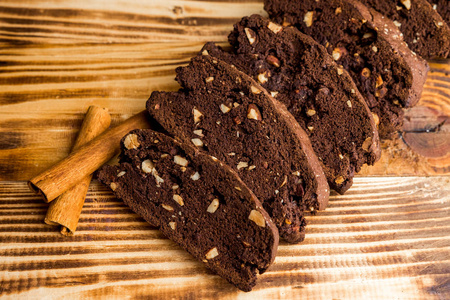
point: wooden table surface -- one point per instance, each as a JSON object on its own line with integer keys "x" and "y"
{"x": 388, "y": 237}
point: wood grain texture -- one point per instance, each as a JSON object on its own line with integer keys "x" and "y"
{"x": 133, "y": 21}
{"x": 387, "y": 238}
{"x": 45, "y": 89}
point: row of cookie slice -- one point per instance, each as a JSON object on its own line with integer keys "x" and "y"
{"x": 208, "y": 206}
{"x": 227, "y": 114}
{"x": 199, "y": 200}
{"x": 318, "y": 92}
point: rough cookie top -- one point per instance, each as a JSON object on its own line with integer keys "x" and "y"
{"x": 226, "y": 113}
{"x": 198, "y": 202}
{"x": 318, "y": 93}
{"x": 369, "y": 46}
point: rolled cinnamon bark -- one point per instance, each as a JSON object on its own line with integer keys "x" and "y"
{"x": 84, "y": 161}
{"x": 66, "y": 209}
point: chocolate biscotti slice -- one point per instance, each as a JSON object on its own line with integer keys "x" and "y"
{"x": 224, "y": 112}
{"x": 443, "y": 8}
{"x": 196, "y": 201}
{"x": 316, "y": 91}
{"x": 424, "y": 30}
{"x": 368, "y": 46}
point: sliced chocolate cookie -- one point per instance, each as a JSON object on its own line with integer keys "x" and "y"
{"x": 224, "y": 112}
{"x": 319, "y": 94}
{"x": 424, "y": 30}
{"x": 443, "y": 8}
{"x": 368, "y": 46}
{"x": 196, "y": 201}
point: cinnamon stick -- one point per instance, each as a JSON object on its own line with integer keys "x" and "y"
{"x": 84, "y": 161}
{"x": 66, "y": 209}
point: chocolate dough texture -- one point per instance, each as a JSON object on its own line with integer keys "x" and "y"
{"x": 225, "y": 113}
{"x": 196, "y": 201}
